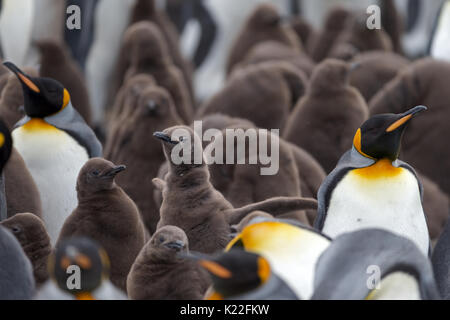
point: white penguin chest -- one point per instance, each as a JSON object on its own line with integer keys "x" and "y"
{"x": 54, "y": 159}
{"x": 391, "y": 202}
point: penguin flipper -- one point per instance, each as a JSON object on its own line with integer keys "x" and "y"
{"x": 350, "y": 160}
{"x": 71, "y": 122}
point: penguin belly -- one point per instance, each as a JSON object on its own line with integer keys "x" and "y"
{"x": 388, "y": 201}
{"x": 54, "y": 159}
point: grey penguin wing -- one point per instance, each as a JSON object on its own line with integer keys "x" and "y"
{"x": 71, "y": 122}
{"x": 350, "y": 160}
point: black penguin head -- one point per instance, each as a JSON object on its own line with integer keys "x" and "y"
{"x": 381, "y": 135}
{"x": 78, "y": 266}
{"x": 96, "y": 175}
{"x": 5, "y": 145}
{"x": 182, "y": 148}
{"x": 235, "y": 272}
{"x": 42, "y": 96}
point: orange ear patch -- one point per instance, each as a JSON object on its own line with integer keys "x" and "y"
{"x": 66, "y": 99}
{"x": 263, "y": 269}
{"x": 83, "y": 261}
{"x": 216, "y": 269}
{"x": 357, "y": 143}
{"x": 28, "y": 83}
{"x": 398, "y": 123}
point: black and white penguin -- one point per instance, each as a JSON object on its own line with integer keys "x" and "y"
{"x": 79, "y": 270}
{"x": 373, "y": 264}
{"x": 5, "y": 153}
{"x": 55, "y": 142}
{"x": 371, "y": 188}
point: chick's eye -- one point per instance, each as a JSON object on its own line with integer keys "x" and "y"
{"x": 95, "y": 172}
{"x": 161, "y": 239}
{"x": 16, "y": 229}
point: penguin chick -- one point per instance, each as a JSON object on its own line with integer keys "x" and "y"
{"x": 241, "y": 182}
{"x": 275, "y": 51}
{"x": 242, "y": 275}
{"x": 325, "y": 119}
{"x": 140, "y": 152}
{"x": 370, "y": 179}
{"x": 79, "y": 270}
{"x": 356, "y": 258}
{"x": 274, "y": 85}
{"x": 422, "y": 83}
{"x": 262, "y": 25}
{"x": 375, "y": 69}
{"x": 57, "y": 63}
{"x": 16, "y": 272}
{"x": 193, "y": 204}
{"x": 357, "y": 38}
{"x": 159, "y": 274}
{"x": 107, "y": 215}
{"x": 146, "y": 10}
{"x": 335, "y": 23}
{"x": 145, "y": 51}
{"x": 30, "y": 231}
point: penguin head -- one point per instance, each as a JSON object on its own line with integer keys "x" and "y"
{"x": 265, "y": 15}
{"x": 381, "y": 135}
{"x": 235, "y": 272}
{"x": 331, "y": 75}
{"x": 97, "y": 174}
{"x": 182, "y": 148}
{"x": 42, "y": 96}
{"x": 28, "y": 229}
{"x": 145, "y": 44}
{"x": 5, "y": 145}
{"x": 78, "y": 265}
{"x": 155, "y": 104}
{"x": 167, "y": 242}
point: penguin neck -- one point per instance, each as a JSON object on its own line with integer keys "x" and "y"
{"x": 86, "y": 196}
{"x": 382, "y": 168}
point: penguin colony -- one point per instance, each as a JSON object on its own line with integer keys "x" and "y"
{"x": 87, "y": 181}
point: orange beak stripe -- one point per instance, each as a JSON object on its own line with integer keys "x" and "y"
{"x": 216, "y": 269}
{"x": 28, "y": 83}
{"x": 398, "y": 123}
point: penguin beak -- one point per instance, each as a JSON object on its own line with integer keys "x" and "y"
{"x": 176, "y": 245}
{"x": 164, "y": 137}
{"x": 114, "y": 171}
{"x": 354, "y": 66}
{"x": 24, "y": 79}
{"x": 208, "y": 264}
{"x": 405, "y": 117}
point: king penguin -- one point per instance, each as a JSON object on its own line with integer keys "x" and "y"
{"x": 371, "y": 188}
{"x": 55, "y": 142}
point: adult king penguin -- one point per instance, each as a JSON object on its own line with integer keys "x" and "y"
{"x": 371, "y": 188}
{"x": 55, "y": 142}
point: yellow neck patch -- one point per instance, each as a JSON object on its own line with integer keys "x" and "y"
{"x": 357, "y": 144}
{"x": 38, "y": 124}
{"x": 263, "y": 269}
{"x": 383, "y": 168}
{"x": 66, "y": 99}
{"x": 2, "y": 139}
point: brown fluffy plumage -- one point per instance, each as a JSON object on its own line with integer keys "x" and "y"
{"x": 145, "y": 51}
{"x": 135, "y": 147}
{"x": 192, "y": 203}
{"x": 424, "y": 82}
{"x": 263, "y": 93}
{"x": 106, "y": 214}
{"x": 145, "y": 10}
{"x": 159, "y": 274}
{"x": 262, "y": 25}
{"x": 57, "y": 63}
{"x": 35, "y": 241}
{"x": 376, "y": 68}
{"x": 326, "y": 118}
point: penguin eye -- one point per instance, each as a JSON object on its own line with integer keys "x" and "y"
{"x": 16, "y": 229}
{"x": 161, "y": 239}
{"x": 95, "y": 172}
